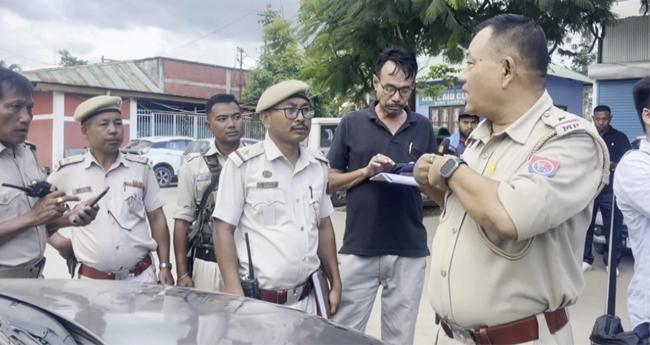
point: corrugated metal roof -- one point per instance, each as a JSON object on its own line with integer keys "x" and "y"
{"x": 116, "y": 76}
{"x": 553, "y": 69}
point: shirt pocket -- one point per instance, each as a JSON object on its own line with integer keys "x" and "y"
{"x": 313, "y": 209}
{"x": 131, "y": 211}
{"x": 11, "y": 205}
{"x": 267, "y": 205}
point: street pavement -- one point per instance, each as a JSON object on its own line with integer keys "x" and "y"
{"x": 590, "y": 305}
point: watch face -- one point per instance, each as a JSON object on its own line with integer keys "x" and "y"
{"x": 448, "y": 167}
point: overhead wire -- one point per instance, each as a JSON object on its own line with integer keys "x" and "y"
{"x": 26, "y": 58}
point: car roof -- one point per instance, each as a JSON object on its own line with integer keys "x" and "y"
{"x": 127, "y": 312}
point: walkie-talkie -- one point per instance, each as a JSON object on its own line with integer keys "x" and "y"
{"x": 250, "y": 285}
{"x": 36, "y": 189}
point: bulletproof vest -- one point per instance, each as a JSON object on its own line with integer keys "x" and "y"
{"x": 201, "y": 234}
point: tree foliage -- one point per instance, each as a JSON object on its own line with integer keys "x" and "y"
{"x": 441, "y": 72}
{"x": 68, "y": 60}
{"x": 14, "y": 67}
{"x": 582, "y": 54}
{"x": 343, "y": 37}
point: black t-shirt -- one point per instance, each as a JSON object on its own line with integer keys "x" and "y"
{"x": 382, "y": 218}
{"x": 618, "y": 145}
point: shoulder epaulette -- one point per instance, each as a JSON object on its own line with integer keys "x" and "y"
{"x": 191, "y": 156}
{"x": 246, "y": 153}
{"x": 69, "y": 161}
{"x": 564, "y": 122}
{"x": 137, "y": 159}
{"x": 30, "y": 145}
{"x": 319, "y": 155}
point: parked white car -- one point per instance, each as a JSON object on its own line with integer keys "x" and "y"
{"x": 164, "y": 153}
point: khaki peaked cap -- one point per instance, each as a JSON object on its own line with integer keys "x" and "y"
{"x": 281, "y": 91}
{"x": 97, "y": 105}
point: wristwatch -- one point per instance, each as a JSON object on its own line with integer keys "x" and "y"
{"x": 449, "y": 168}
{"x": 165, "y": 265}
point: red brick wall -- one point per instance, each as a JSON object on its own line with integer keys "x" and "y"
{"x": 40, "y": 134}
{"x": 200, "y": 74}
{"x": 43, "y": 103}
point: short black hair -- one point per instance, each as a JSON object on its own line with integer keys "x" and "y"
{"x": 641, "y": 95}
{"x": 9, "y": 78}
{"x": 219, "y": 98}
{"x": 403, "y": 58}
{"x": 602, "y": 108}
{"x": 521, "y": 34}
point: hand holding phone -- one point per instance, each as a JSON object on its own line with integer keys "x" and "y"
{"x": 87, "y": 214}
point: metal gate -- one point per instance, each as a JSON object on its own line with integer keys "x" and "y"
{"x": 169, "y": 124}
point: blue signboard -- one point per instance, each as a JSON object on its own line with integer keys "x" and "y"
{"x": 452, "y": 96}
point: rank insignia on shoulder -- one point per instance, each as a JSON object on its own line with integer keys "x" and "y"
{"x": 136, "y": 184}
{"x": 137, "y": 159}
{"x": 543, "y": 166}
{"x": 246, "y": 153}
{"x": 69, "y": 161}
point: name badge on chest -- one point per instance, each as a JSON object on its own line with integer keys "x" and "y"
{"x": 204, "y": 177}
{"x": 267, "y": 185}
{"x": 82, "y": 190}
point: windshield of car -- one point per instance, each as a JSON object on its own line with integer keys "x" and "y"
{"x": 199, "y": 146}
{"x": 138, "y": 145}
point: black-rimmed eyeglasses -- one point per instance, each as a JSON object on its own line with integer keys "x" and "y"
{"x": 292, "y": 112}
{"x": 390, "y": 90}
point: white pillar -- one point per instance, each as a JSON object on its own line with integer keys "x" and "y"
{"x": 133, "y": 127}
{"x": 58, "y": 128}
{"x": 594, "y": 99}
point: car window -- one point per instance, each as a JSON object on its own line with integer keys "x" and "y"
{"x": 176, "y": 145}
{"x": 199, "y": 146}
{"x": 327, "y": 135}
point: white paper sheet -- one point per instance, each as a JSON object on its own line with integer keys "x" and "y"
{"x": 395, "y": 178}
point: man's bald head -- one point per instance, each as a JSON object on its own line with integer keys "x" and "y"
{"x": 520, "y": 38}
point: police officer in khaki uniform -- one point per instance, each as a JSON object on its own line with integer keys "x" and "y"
{"x": 200, "y": 175}
{"x": 117, "y": 245}
{"x": 25, "y": 222}
{"x": 276, "y": 191}
{"x": 517, "y": 207}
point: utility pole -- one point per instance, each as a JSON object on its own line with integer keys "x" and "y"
{"x": 240, "y": 60}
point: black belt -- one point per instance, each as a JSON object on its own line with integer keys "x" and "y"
{"x": 205, "y": 254}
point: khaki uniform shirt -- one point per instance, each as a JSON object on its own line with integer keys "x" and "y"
{"x": 18, "y": 167}
{"x": 119, "y": 237}
{"x": 279, "y": 206}
{"x": 549, "y": 198}
{"x": 193, "y": 179}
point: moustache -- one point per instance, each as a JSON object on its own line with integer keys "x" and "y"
{"x": 395, "y": 105}
{"x": 299, "y": 127}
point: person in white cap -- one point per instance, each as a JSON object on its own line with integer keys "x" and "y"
{"x": 276, "y": 192}
{"x": 118, "y": 245}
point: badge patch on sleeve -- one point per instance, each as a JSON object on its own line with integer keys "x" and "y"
{"x": 543, "y": 166}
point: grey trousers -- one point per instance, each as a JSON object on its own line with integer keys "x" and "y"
{"x": 401, "y": 279}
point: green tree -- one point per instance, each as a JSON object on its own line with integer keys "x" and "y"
{"x": 13, "y": 67}
{"x": 582, "y": 54}
{"x": 343, "y": 37}
{"x": 68, "y": 60}
{"x": 281, "y": 59}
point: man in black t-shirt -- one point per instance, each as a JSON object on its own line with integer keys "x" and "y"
{"x": 618, "y": 144}
{"x": 385, "y": 242}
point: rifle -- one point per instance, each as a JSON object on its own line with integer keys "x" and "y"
{"x": 250, "y": 285}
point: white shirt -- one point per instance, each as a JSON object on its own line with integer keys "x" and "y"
{"x": 119, "y": 237}
{"x": 277, "y": 205}
{"x": 632, "y": 190}
{"x": 18, "y": 167}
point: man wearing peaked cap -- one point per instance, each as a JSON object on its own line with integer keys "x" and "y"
{"x": 276, "y": 192}
{"x": 97, "y": 105}
{"x": 118, "y": 245}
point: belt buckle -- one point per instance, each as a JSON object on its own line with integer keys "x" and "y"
{"x": 460, "y": 334}
{"x": 123, "y": 275}
{"x": 292, "y": 298}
